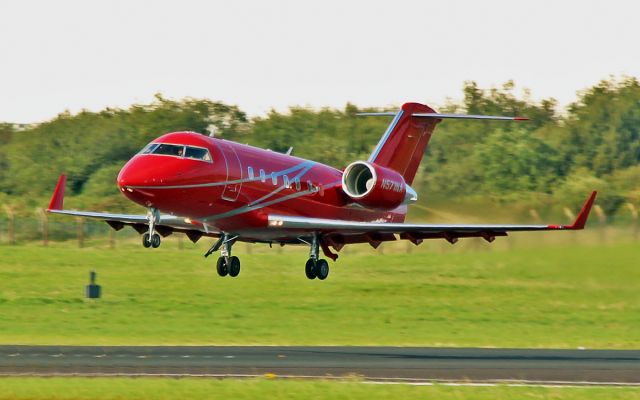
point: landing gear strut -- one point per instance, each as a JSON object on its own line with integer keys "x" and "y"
{"x": 151, "y": 238}
{"x": 226, "y": 264}
{"x": 316, "y": 267}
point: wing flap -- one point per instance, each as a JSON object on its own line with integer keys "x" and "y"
{"x": 416, "y": 232}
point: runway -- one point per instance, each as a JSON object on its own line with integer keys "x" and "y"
{"x": 411, "y": 364}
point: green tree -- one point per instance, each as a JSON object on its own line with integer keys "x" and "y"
{"x": 603, "y": 127}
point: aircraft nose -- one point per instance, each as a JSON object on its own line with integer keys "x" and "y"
{"x": 135, "y": 173}
{"x": 128, "y": 176}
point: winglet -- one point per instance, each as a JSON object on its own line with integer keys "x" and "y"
{"x": 581, "y": 219}
{"x": 58, "y": 195}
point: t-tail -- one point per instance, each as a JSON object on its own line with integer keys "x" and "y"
{"x": 384, "y": 181}
{"x": 403, "y": 144}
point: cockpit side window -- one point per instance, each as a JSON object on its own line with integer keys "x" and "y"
{"x": 198, "y": 153}
{"x": 169, "y": 150}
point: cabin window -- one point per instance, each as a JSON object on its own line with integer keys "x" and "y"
{"x": 287, "y": 184}
{"x": 250, "y": 171}
{"x": 263, "y": 176}
{"x": 311, "y": 187}
{"x": 297, "y": 182}
{"x": 197, "y": 153}
{"x": 274, "y": 179}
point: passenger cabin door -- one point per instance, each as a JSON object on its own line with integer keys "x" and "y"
{"x": 234, "y": 172}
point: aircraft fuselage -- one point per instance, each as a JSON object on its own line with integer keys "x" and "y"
{"x": 238, "y": 186}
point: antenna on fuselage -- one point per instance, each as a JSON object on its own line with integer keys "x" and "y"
{"x": 212, "y": 130}
{"x": 289, "y": 151}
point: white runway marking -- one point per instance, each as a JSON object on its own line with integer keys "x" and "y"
{"x": 366, "y": 381}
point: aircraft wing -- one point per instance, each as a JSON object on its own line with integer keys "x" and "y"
{"x": 336, "y": 233}
{"x": 167, "y": 224}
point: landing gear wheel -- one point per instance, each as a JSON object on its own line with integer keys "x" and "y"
{"x": 234, "y": 266}
{"x": 310, "y": 268}
{"x": 145, "y": 240}
{"x": 221, "y": 266}
{"x": 322, "y": 269}
{"x": 155, "y": 241}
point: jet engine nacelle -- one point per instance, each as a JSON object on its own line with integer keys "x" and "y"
{"x": 373, "y": 186}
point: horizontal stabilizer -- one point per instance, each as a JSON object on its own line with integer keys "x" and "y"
{"x": 468, "y": 116}
{"x": 446, "y": 116}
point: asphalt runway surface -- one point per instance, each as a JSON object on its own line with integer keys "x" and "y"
{"x": 372, "y": 363}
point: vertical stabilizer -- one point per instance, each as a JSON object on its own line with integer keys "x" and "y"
{"x": 403, "y": 144}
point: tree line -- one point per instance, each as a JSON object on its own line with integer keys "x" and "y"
{"x": 557, "y": 156}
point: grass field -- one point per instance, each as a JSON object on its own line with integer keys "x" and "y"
{"x": 145, "y": 388}
{"x": 565, "y": 296}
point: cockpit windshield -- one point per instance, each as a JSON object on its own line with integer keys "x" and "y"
{"x": 176, "y": 150}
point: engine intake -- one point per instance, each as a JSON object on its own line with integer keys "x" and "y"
{"x": 374, "y": 186}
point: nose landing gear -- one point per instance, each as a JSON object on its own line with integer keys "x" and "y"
{"x": 316, "y": 267}
{"x": 151, "y": 238}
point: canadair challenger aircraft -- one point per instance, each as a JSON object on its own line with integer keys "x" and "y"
{"x": 204, "y": 186}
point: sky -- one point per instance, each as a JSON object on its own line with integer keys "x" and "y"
{"x": 262, "y": 55}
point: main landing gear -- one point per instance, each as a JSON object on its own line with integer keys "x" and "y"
{"x": 316, "y": 267}
{"x": 151, "y": 238}
{"x": 226, "y": 264}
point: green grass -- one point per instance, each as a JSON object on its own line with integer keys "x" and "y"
{"x": 551, "y": 296}
{"x": 146, "y": 388}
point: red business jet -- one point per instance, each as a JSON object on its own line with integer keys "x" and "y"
{"x": 204, "y": 186}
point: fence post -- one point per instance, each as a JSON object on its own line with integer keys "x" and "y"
{"x": 534, "y": 214}
{"x": 112, "y": 238}
{"x": 10, "y": 224}
{"x": 571, "y": 217}
{"x": 602, "y": 219}
{"x": 634, "y": 218}
{"x": 80, "y": 231}
{"x": 536, "y": 217}
{"x": 44, "y": 225}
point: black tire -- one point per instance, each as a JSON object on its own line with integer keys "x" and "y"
{"x": 234, "y": 266}
{"x": 310, "y": 268}
{"x": 155, "y": 241}
{"x": 322, "y": 269}
{"x": 145, "y": 240}
{"x": 221, "y": 266}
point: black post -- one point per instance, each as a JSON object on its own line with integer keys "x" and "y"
{"x": 92, "y": 291}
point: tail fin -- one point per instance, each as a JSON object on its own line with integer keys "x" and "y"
{"x": 403, "y": 144}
